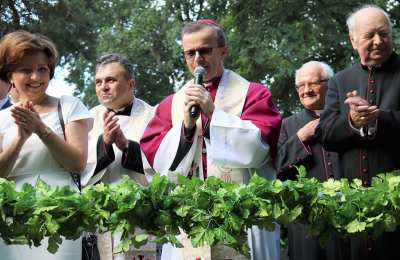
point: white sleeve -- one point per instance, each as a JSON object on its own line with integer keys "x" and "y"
{"x": 73, "y": 109}
{"x": 235, "y": 143}
{"x": 166, "y": 153}
{"x": 147, "y": 169}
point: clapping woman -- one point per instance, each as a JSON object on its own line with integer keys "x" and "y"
{"x": 33, "y": 144}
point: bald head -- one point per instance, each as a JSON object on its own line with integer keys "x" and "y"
{"x": 324, "y": 70}
{"x": 370, "y": 35}
{"x": 365, "y": 11}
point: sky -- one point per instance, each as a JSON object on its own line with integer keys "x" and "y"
{"x": 58, "y": 86}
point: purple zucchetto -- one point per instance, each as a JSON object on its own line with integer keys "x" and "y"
{"x": 208, "y": 22}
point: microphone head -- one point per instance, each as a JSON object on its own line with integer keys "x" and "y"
{"x": 199, "y": 70}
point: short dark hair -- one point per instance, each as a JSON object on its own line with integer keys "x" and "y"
{"x": 192, "y": 27}
{"x": 16, "y": 45}
{"x": 118, "y": 58}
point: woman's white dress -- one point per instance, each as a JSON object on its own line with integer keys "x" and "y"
{"x": 36, "y": 163}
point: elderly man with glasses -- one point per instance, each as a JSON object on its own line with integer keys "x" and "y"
{"x": 297, "y": 146}
{"x": 235, "y": 132}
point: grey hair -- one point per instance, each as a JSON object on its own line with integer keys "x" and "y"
{"x": 118, "y": 58}
{"x": 351, "y": 22}
{"x": 193, "y": 27}
{"x": 326, "y": 70}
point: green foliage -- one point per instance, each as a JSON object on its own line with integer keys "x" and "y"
{"x": 144, "y": 33}
{"x": 208, "y": 211}
{"x": 69, "y": 23}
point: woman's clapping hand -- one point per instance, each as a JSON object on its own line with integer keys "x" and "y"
{"x": 27, "y": 119}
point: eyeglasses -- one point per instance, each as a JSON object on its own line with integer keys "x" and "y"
{"x": 312, "y": 85}
{"x": 204, "y": 51}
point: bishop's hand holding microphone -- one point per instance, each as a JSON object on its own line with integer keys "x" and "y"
{"x": 197, "y": 99}
{"x": 198, "y": 80}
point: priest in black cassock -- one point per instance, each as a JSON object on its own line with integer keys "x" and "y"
{"x": 297, "y": 146}
{"x": 361, "y": 120}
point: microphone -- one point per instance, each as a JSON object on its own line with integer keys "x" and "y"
{"x": 198, "y": 79}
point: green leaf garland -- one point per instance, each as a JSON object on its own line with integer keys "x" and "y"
{"x": 210, "y": 211}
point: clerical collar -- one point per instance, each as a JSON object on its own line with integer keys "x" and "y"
{"x": 386, "y": 65}
{"x": 366, "y": 67}
{"x": 213, "y": 84}
{"x": 125, "y": 111}
{"x": 318, "y": 113}
{"x": 313, "y": 113}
